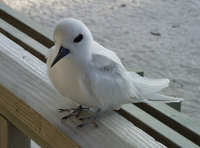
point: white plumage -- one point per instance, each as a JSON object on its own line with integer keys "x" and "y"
{"x": 94, "y": 76}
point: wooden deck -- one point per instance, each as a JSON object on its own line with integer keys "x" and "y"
{"x": 25, "y": 90}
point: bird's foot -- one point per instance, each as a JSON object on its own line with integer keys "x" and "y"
{"x": 74, "y": 110}
{"x": 93, "y": 119}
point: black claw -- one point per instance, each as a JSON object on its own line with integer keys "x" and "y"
{"x": 86, "y": 108}
{"x": 63, "y": 119}
{"x": 81, "y": 125}
{"x": 90, "y": 119}
{"x": 79, "y": 109}
{"x": 60, "y": 110}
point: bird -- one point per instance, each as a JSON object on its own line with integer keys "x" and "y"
{"x": 93, "y": 76}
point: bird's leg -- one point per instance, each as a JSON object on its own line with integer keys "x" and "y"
{"x": 90, "y": 119}
{"x": 79, "y": 109}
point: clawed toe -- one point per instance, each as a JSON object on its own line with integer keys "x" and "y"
{"x": 81, "y": 119}
{"x": 65, "y": 117}
{"x": 79, "y": 109}
{"x": 60, "y": 109}
{"x": 93, "y": 119}
{"x": 84, "y": 118}
{"x": 81, "y": 125}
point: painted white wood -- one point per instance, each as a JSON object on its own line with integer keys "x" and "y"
{"x": 158, "y": 126}
{"x": 32, "y": 28}
{"x": 23, "y": 40}
{"x": 25, "y": 76}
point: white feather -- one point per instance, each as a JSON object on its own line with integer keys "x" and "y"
{"x": 108, "y": 79}
{"x": 147, "y": 85}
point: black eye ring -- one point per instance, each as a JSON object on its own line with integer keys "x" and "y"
{"x": 78, "y": 38}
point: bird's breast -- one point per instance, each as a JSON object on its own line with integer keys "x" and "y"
{"x": 66, "y": 76}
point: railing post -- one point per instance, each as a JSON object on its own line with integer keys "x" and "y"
{"x": 3, "y": 132}
{"x": 11, "y": 136}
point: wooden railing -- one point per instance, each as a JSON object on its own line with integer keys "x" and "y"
{"x": 28, "y": 103}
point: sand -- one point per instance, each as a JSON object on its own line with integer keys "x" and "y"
{"x": 161, "y": 37}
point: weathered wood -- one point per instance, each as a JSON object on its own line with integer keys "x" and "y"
{"x": 25, "y": 76}
{"x": 174, "y": 120}
{"x": 26, "y": 25}
{"x": 20, "y": 114}
{"x": 151, "y": 125}
{"x": 3, "y": 132}
{"x": 23, "y": 40}
{"x": 30, "y": 122}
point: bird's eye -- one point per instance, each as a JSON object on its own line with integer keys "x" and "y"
{"x": 78, "y": 38}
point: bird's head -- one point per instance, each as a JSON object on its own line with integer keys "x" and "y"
{"x": 72, "y": 38}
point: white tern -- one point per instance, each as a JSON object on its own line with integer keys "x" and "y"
{"x": 93, "y": 76}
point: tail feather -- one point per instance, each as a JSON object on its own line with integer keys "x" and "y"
{"x": 163, "y": 98}
{"x": 148, "y": 88}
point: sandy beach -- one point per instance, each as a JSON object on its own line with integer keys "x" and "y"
{"x": 160, "y": 37}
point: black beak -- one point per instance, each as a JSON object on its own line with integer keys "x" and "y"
{"x": 62, "y": 52}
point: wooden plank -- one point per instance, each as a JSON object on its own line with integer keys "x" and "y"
{"x": 137, "y": 70}
{"x": 31, "y": 122}
{"x": 23, "y": 40}
{"x": 152, "y": 126}
{"x": 175, "y": 105}
{"x": 24, "y": 117}
{"x": 26, "y": 25}
{"x": 174, "y": 120}
{"x": 3, "y": 132}
{"x": 26, "y": 78}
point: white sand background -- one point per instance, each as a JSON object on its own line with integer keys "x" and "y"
{"x": 125, "y": 27}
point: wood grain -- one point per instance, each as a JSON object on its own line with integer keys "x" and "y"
{"x": 25, "y": 76}
{"x": 151, "y": 125}
{"x": 30, "y": 122}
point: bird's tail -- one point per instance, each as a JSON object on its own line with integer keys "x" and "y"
{"x": 163, "y": 98}
{"x": 147, "y": 89}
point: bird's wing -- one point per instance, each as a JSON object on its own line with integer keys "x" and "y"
{"x": 109, "y": 82}
{"x": 102, "y": 57}
{"x": 106, "y": 78}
